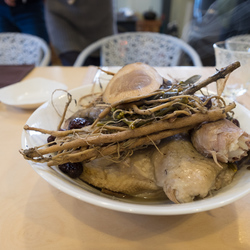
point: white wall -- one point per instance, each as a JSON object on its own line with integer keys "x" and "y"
{"x": 181, "y": 13}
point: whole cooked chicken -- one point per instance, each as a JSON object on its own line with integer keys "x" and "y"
{"x": 175, "y": 167}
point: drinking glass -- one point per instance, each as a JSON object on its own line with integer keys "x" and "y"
{"x": 227, "y": 52}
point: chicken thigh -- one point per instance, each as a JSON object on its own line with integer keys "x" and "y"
{"x": 184, "y": 173}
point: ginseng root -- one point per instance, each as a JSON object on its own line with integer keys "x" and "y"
{"x": 102, "y": 139}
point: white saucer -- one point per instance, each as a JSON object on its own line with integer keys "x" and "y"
{"x": 29, "y": 94}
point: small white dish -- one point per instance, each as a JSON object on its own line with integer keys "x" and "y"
{"x": 29, "y": 94}
{"x": 46, "y": 116}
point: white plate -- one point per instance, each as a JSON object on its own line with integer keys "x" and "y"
{"x": 29, "y": 94}
{"x": 46, "y": 117}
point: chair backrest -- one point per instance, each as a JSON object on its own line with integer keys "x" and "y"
{"x": 154, "y": 49}
{"x": 239, "y": 38}
{"x": 19, "y": 48}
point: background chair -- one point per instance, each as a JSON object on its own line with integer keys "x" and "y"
{"x": 19, "y": 48}
{"x": 240, "y": 38}
{"x": 154, "y": 49}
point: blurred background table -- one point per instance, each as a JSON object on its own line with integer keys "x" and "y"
{"x": 35, "y": 215}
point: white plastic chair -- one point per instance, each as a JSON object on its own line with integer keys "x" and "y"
{"x": 240, "y": 38}
{"x": 152, "y": 48}
{"x": 19, "y": 48}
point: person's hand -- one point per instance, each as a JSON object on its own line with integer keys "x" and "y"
{"x": 11, "y": 3}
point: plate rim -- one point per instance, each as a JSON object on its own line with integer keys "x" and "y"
{"x": 118, "y": 205}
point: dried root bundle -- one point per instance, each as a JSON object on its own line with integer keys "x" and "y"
{"x": 134, "y": 122}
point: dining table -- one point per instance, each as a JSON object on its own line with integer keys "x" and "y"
{"x": 35, "y": 215}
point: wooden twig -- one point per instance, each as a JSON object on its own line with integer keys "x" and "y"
{"x": 218, "y": 75}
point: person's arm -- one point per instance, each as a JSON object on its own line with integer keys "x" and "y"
{"x": 11, "y": 3}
